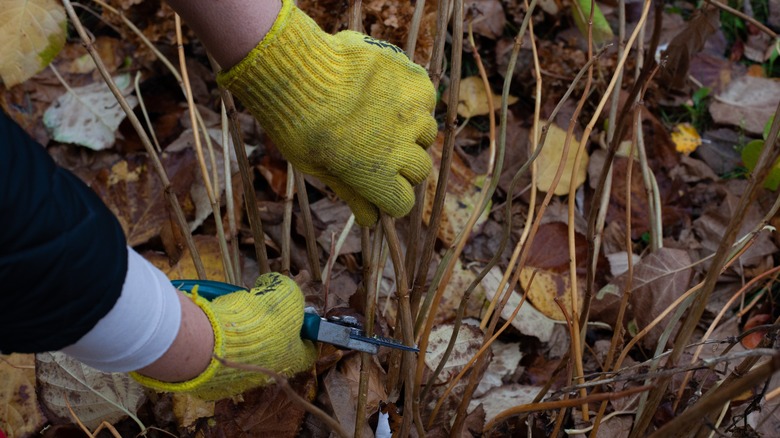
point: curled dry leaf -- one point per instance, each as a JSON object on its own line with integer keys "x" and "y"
{"x": 188, "y": 409}
{"x": 19, "y": 411}
{"x": 32, "y": 32}
{"x": 90, "y": 115}
{"x": 687, "y": 43}
{"x": 93, "y": 395}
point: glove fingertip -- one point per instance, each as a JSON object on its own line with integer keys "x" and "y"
{"x": 428, "y": 132}
{"x": 366, "y": 214}
{"x": 417, "y": 167}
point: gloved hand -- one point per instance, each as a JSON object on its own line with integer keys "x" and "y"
{"x": 260, "y": 327}
{"x": 347, "y": 108}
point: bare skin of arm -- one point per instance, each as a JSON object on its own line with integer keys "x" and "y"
{"x": 229, "y": 29}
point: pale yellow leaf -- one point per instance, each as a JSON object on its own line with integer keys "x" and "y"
{"x": 188, "y": 409}
{"x": 32, "y": 32}
{"x": 473, "y": 99}
{"x": 19, "y": 411}
{"x": 550, "y": 157}
{"x": 208, "y": 248}
{"x": 94, "y": 396}
{"x": 686, "y": 139}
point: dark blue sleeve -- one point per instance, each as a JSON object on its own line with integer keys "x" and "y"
{"x": 63, "y": 255}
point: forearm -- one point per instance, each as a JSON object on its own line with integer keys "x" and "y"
{"x": 229, "y": 29}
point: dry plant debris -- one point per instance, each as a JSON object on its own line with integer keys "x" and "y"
{"x": 683, "y": 138}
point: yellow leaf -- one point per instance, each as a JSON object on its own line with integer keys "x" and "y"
{"x": 473, "y": 100}
{"x": 32, "y": 32}
{"x": 685, "y": 138}
{"x": 546, "y": 287}
{"x": 550, "y": 157}
{"x": 208, "y": 248}
{"x": 19, "y": 411}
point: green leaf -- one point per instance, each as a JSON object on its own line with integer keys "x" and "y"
{"x": 750, "y": 154}
{"x": 581, "y": 12}
{"x": 32, "y": 33}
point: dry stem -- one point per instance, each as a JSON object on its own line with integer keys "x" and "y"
{"x": 766, "y": 160}
{"x": 181, "y": 221}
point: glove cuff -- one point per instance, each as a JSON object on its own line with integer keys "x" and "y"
{"x": 210, "y": 371}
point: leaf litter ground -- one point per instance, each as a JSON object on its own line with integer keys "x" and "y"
{"x": 697, "y": 195}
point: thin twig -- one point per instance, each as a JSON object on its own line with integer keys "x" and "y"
{"x": 494, "y": 168}
{"x": 181, "y": 221}
{"x": 715, "y": 399}
{"x": 546, "y": 406}
{"x": 289, "y": 194}
{"x": 250, "y": 201}
{"x": 768, "y": 156}
{"x": 210, "y": 193}
{"x": 373, "y": 253}
{"x": 312, "y": 252}
{"x": 404, "y": 319}
{"x": 137, "y": 85}
{"x": 759, "y": 25}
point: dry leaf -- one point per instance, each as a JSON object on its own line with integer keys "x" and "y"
{"x": 473, "y": 100}
{"x": 748, "y": 102}
{"x": 550, "y": 157}
{"x": 488, "y": 18}
{"x": 264, "y": 412}
{"x": 32, "y": 32}
{"x": 685, "y": 137}
{"x": 89, "y": 115}
{"x": 546, "y": 287}
{"x": 687, "y": 43}
{"x": 466, "y": 346}
{"x": 659, "y": 279}
{"x": 93, "y": 395}
{"x": 188, "y": 409}
{"x": 334, "y": 216}
{"x": 455, "y": 289}
{"x": 134, "y": 193}
{"x": 341, "y": 387}
{"x": 503, "y": 398}
{"x": 528, "y": 321}
{"x": 19, "y": 411}
{"x": 506, "y": 360}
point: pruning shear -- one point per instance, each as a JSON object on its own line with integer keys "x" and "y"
{"x": 341, "y": 331}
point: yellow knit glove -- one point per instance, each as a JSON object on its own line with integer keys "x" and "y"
{"x": 347, "y": 108}
{"x": 261, "y": 327}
